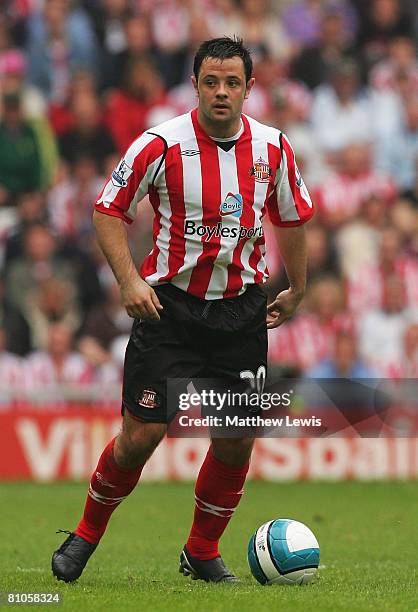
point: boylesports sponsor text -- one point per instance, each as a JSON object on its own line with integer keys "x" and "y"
{"x": 192, "y": 228}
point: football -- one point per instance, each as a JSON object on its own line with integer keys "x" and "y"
{"x": 283, "y": 551}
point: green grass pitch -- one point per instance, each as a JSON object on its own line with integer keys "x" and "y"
{"x": 368, "y": 533}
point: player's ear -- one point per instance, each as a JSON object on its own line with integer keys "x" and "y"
{"x": 194, "y": 82}
{"x": 250, "y": 84}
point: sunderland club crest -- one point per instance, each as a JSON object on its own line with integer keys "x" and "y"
{"x": 148, "y": 399}
{"x": 261, "y": 171}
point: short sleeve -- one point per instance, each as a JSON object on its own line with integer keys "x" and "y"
{"x": 129, "y": 182}
{"x": 290, "y": 203}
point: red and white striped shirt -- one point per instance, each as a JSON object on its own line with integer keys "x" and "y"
{"x": 41, "y": 373}
{"x": 342, "y": 195}
{"x": 307, "y": 339}
{"x": 303, "y": 342}
{"x": 11, "y": 372}
{"x": 364, "y": 289}
{"x": 208, "y": 203}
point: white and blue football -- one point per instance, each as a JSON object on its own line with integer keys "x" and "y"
{"x": 283, "y": 551}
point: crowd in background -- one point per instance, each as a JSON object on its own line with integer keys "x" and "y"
{"x": 80, "y": 80}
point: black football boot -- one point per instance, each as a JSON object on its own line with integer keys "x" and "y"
{"x": 69, "y": 560}
{"x": 213, "y": 570}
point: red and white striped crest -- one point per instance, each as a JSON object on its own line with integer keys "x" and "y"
{"x": 261, "y": 171}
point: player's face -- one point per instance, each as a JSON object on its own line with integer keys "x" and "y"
{"x": 222, "y": 89}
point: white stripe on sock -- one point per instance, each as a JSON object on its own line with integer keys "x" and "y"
{"x": 212, "y": 506}
{"x": 102, "y": 499}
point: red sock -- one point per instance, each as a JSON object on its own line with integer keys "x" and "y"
{"x": 109, "y": 485}
{"x": 219, "y": 488}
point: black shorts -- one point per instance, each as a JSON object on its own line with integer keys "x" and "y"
{"x": 217, "y": 339}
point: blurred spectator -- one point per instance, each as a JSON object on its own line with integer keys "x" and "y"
{"x": 11, "y": 368}
{"x": 88, "y": 138}
{"x": 93, "y": 254}
{"x": 71, "y": 199}
{"x": 198, "y": 31}
{"x": 267, "y": 72}
{"x": 108, "y": 19}
{"x": 105, "y": 334}
{"x": 405, "y": 91}
{"x": 143, "y": 89}
{"x": 31, "y": 209}
{"x": 107, "y": 368}
{"x": 322, "y": 259}
{"x": 263, "y": 31}
{"x": 381, "y": 331}
{"x": 404, "y": 218}
{"x": 340, "y": 198}
{"x": 341, "y": 113}
{"x": 17, "y": 337}
{"x": 13, "y": 20}
{"x": 383, "y": 20}
{"x": 407, "y": 365}
{"x": 59, "y": 364}
{"x": 302, "y": 19}
{"x": 344, "y": 363}
{"x": 366, "y": 286}
{"x": 398, "y": 154}
{"x": 20, "y": 167}
{"x": 291, "y": 105}
{"x": 60, "y": 114}
{"x": 358, "y": 240}
{"x": 12, "y": 78}
{"x": 52, "y": 300}
{"x": 39, "y": 263}
{"x": 310, "y": 336}
{"x": 138, "y": 45}
{"x": 315, "y": 65}
{"x": 182, "y": 98}
{"x": 6, "y": 39}
{"x": 394, "y": 84}
{"x": 169, "y": 18}
{"x": 34, "y": 108}
{"x": 224, "y": 19}
{"x": 170, "y": 29}
{"x": 60, "y": 42}
{"x": 401, "y": 59}
{"x": 109, "y": 322}
{"x": 412, "y": 194}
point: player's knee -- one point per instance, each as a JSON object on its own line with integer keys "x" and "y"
{"x": 137, "y": 441}
{"x": 233, "y": 451}
{"x": 146, "y": 439}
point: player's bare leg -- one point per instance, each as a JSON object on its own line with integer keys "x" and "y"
{"x": 218, "y": 491}
{"x": 137, "y": 441}
{"x": 116, "y": 475}
{"x": 233, "y": 451}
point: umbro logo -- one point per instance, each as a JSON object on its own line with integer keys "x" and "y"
{"x": 190, "y": 152}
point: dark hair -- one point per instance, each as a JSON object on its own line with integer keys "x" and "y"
{"x": 223, "y": 48}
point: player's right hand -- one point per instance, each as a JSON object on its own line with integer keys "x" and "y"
{"x": 140, "y": 300}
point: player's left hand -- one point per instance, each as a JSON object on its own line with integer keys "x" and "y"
{"x": 283, "y": 307}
